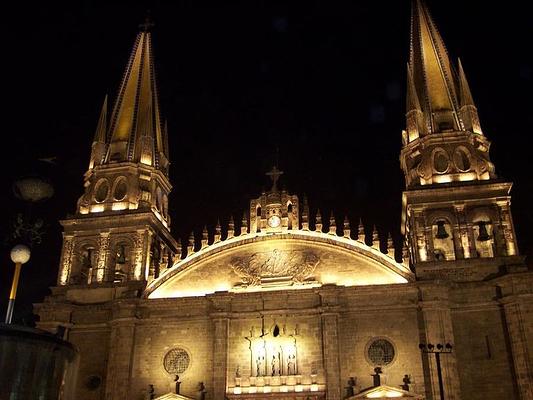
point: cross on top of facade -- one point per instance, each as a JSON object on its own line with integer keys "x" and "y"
{"x": 274, "y": 175}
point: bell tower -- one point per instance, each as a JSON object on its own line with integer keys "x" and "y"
{"x": 455, "y": 208}
{"x": 275, "y": 210}
{"x": 121, "y": 231}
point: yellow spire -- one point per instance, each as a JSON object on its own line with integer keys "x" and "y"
{"x": 465, "y": 94}
{"x": 468, "y": 110}
{"x": 432, "y": 71}
{"x": 99, "y": 142}
{"x": 135, "y": 127}
{"x": 414, "y": 115}
{"x": 101, "y": 128}
{"x": 413, "y": 104}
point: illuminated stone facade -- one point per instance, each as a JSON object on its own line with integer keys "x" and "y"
{"x": 292, "y": 308}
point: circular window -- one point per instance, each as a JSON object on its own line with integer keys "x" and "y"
{"x": 380, "y": 352}
{"x": 461, "y": 160}
{"x": 176, "y": 361}
{"x": 102, "y": 190}
{"x": 440, "y": 160}
{"x": 121, "y": 189}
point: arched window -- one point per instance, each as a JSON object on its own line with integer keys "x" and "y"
{"x": 441, "y": 161}
{"x": 121, "y": 189}
{"x": 461, "y": 160}
{"x": 101, "y": 190}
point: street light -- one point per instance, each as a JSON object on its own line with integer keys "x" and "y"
{"x": 20, "y": 254}
{"x": 437, "y": 350}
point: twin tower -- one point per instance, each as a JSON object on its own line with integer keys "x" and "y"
{"x": 456, "y": 212}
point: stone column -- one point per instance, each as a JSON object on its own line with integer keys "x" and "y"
{"x": 101, "y": 273}
{"x": 138, "y": 251}
{"x": 67, "y": 255}
{"x": 521, "y": 344}
{"x": 461, "y": 239}
{"x": 121, "y": 350}
{"x": 436, "y": 327}
{"x": 508, "y": 227}
{"x": 220, "y": 356}
{"x": 330, "y": 341}
{"x": 330, "y": 344}
{"x": 418, "y": 227}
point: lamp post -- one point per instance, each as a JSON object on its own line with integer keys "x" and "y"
{"x": 20, "y": 254}
{"x": 437, "y": 350}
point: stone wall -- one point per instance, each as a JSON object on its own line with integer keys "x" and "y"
{"x": 92, "y": 344}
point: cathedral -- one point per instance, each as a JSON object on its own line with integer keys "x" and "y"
{"x": 278, "y": 305}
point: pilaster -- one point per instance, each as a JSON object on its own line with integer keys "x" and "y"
{"x": 519, "y": 328}
{"x": 65, "y": 266}
{"x": 330, "y": 342}
{"x": 121, "y": 350}
{"x": 436, "y": 327}
{"x": 220, "y": 356}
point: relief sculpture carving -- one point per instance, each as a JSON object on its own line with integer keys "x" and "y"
{"x": 295, "y": 264}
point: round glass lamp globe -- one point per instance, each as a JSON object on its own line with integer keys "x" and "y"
{"x": 20, "y": 254}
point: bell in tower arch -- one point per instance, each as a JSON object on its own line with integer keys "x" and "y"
{"x": 121, "y": 254}
{"x": 441, "y": 230}
{"x": 483, "y": 233}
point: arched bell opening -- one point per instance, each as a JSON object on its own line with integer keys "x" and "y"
{"x": 443, "y": 243}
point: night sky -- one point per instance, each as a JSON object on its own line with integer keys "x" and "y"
{"x": 321, "y": 81}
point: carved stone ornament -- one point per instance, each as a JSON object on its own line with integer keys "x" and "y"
{"x": 296, "y": 265}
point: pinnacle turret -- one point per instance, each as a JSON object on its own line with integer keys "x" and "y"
{"x": 468, "y": 108}
{"x": 98, "y": 147}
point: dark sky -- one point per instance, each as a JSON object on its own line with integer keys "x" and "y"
{"x": 322, "y": 80}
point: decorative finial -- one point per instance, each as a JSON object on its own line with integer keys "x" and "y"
{"x": 318, "y": 223}
{"x": 148, "y": 23}
{"x": 375, "y": 238}
{"x": 332, "y": 225}
{"x": 218, "y": 232}
{"x": 346, "y": 227}
{"x": 177, "y": 256}
{"x": 274, "y": 175}
{"x": 405, "y": 254}
{"x": 390, "y": 245}
{"x": 361, "y": 231}
{"x": 205, "y": 237}
{"x": 190, "y": 244}
{"x": 305, "y": 215}
{"x": 244, "y": 224}
{"x": 231, "y": 227}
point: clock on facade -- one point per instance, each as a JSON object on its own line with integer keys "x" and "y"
{"x": 274, "y": 221}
